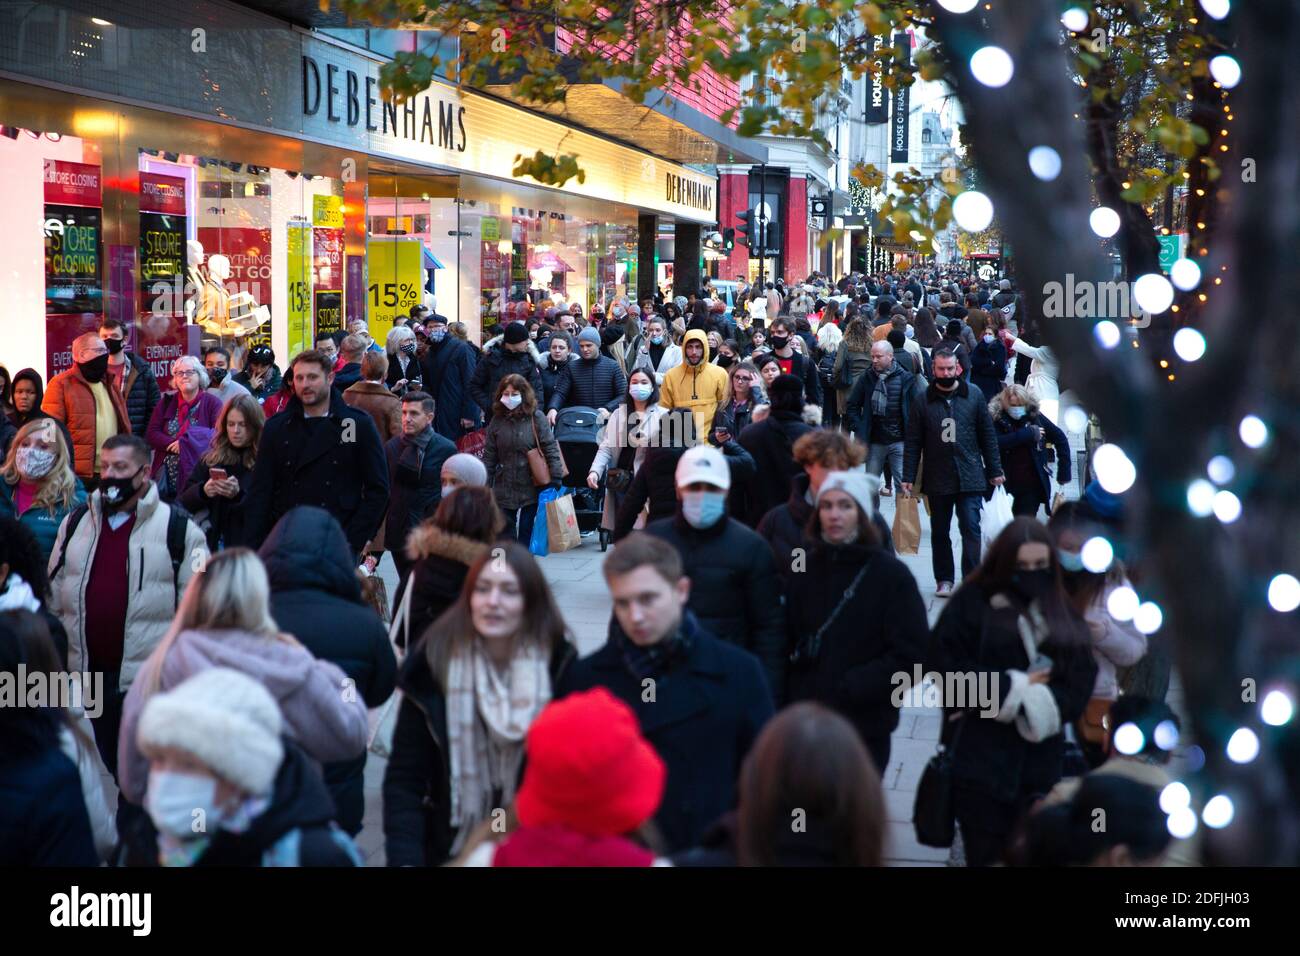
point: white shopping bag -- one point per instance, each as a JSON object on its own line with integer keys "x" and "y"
{"x": 997, "y": 515}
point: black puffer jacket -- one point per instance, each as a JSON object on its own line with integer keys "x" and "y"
{"x": 417, "y": 783}
{"x": 735, "y": 590}
{"x": 142, "y": 393}
{"x": 591, "y": 383}
{"x": 901, "y": 390}
{"x": 964, "y": 465}
{"x": 551, "y": 376}
{"x": 495, "y": 365}
{"x": 442, "y": 561}
{"x": 315, "y": 596}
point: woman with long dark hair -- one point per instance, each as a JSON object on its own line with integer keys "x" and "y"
{"x": 471, "y": 689}
{"x": 218, "y": 484}
{"x": 856, "y": 617}
{"x": 1010, "y": 634}
{"x": 927, "y": 332}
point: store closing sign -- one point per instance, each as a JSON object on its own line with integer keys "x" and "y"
{"x": 72, "y": 227}
{"x": 396, "y": 276}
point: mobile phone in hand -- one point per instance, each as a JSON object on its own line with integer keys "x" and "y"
{"x": 218, "y": 474}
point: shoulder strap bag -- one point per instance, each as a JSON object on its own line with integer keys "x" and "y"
{"x": 537, "y": 465}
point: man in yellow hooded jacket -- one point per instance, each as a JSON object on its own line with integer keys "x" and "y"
{"x": 695, "y": 384}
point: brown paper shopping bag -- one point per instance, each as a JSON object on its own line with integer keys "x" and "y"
{"x": 562, "y": 525}
{"x": 907, "y": 525}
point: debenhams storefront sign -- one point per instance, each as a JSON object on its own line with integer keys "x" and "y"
{"x": 471, "y": 133}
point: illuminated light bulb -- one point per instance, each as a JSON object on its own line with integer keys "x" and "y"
{"x": 1175, "y": 796}
{"x": 1182, "y": 823}
{"x": 1045, "y": 162}
{"x": 1226, "y": 70}
{"x": 1164, "y": 363}
{"x": 1104, "y": 221}
{"x": 1129, "y": 739}
{"x": 1107, "y": 333}
{"x": 1227, "y": 507}
{"x": 1221, "y": 469}
{"x": 1076, "y": 419}
{"x": 1122, "y": 603}
{"x": 992, "y": 66}
{"x": 1189, "y": 344}
{"x": 1243, "y": 746}
{"x": 1276, "y": 708}
{"x": 1166, "y": 735}
{"x": 1217, "y": 9}
{"x": 1153, "y": 293}
{"x": 972, "y": 211}
{"x": 1113, "y": 469}
{"x": 1200, "y": 498}
{"x": 1218, "y": 812}
{"x": 1185, "y": 274}
{"x": 1195, "y": 758}
{"x": 1075, "y": 20}
{"x": 1097, "y": 554}
{"x": 1284, "y": 593}
{"x": 1149, "y": 617}
{"x": 1253, "y": 431}
{"x": 959, "y": 6}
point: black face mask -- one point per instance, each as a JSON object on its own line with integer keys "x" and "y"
{"x": 216, "y": 376}
{"x": 94, "y": 370}
{"x": 1032, "y": 585}
{"x": 780, "y": 341}
{"x": 947, "y": 384}
{"x": 725, "y": 360}
{"x": 114, "y": 345}
{"x": 116, "y": 492}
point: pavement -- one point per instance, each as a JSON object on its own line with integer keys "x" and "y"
{"x": 580, "y": 592}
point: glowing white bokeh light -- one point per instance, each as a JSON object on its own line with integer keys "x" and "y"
{"x": 1075, "y": 20}
{"x": 1185, "y": 274}
{"x": 1104, "y": 221}
{"x": 1218, "y": 812}
{"x": 1221, "y": 469}
{"x": 1076, "y": 419}
{"x": 992, "y": 66}
{"x": 1284, "y": 593}
{"x": 972, "y": 211}
{"x": 1253, "y": 431}
{"x": 1113, "y": 469}
{"x": 1175, "y": 796}
{"x": 1227, "y": 507}
{"x": 1045, "y": 163}
{"x": 1200, "y": 498}
{"x": 1243, "y": 746}
{"x": 1107, "y": 333}
{"x": 1217, "y": 9}
{"x": 1276, "y": 708}
{"x": 1189, "y": 344}
{"x": 959, "y": 6}
{"x": 1123, "y": 603}
{"x": 1097, "y": 554}
{"x": 1148, "y": 617}
{"x": 1153, "y": 293}
{"x": 1182, "y": 823}
{"x": 1129, "y": 739}
{"x": 1166, "y": 735}
{"x": 1226, "y": 70}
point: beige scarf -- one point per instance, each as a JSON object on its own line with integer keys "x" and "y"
{"x": 488, "y": 714}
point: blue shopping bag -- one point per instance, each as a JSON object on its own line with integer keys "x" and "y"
{"x": 538, "y": 545}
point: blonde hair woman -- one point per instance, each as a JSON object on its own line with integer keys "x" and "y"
{"x": 37, "y": 484}
{"x": 225, "y": 620}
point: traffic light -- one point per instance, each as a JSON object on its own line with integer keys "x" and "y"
{"x": 728, "y": 239}
{"x": 748, "y": 229}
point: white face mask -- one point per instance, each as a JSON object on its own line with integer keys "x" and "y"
{"x": 511, "y": 401}
{"x": 34, "y": 463}
{"x": 448, "y": 489}
{"x": 172, "y": 799}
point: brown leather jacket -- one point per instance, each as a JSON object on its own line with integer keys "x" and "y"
{"x": 69, "y": 399}
{"x": 381, "y": 404}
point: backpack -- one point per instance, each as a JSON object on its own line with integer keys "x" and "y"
{"x": 177, "y": 518}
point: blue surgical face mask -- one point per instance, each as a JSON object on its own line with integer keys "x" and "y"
{"x": 1016, "y": 411}
{"x": 511, "y": 401}
{"x": 1070, "y": 560}
{"x": 910, "y": 332}
{"x": 988, "y": 339}
{"x": 640, "y": 391}
{"x": 703, "y": 509}
{"x": 172, "y": 798}
{"x": 656, "y": 340}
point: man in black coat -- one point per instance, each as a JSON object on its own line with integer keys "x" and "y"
{"x": 315, "y": 596}
{"x": 593, "y": 381}
{"x": 771, "y": 443}
{"x": 131, "y": 375}
{"x": 700, "y": 702}
{"x": 511, "y": 357}
{"x": 795, "y": 363}
{"x": 415, "y": 460}
{"x": 321, "y": 452}
{"x": 448, "y": 367}
{"x": 878, "y": 408}
{"x": 951, "y": 425}
{"x": 737, "y": 592}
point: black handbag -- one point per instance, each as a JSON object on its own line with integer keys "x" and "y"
{"x": 933, "y": 815}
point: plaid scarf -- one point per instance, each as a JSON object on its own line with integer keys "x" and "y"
{"x": 658, "y": 658}
{"x": 879, "y": 394}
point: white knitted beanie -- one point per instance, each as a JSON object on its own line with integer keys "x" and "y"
{"x": 224, "y": 719}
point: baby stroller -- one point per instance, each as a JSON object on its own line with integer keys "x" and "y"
{"x": 577, "y": 429}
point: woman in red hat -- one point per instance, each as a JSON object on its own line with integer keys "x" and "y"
{"x": 591, "y": 785}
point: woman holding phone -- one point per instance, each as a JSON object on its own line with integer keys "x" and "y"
{"x": 219, "y": 482}
{"x": 624, "y": 440}
{"x": 1011, "y": 625}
